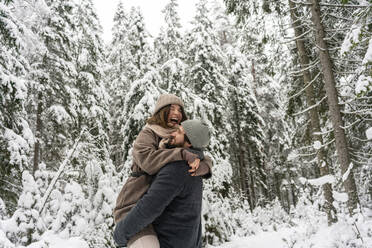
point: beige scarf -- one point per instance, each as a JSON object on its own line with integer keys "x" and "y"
{"x": 161, "y": 131}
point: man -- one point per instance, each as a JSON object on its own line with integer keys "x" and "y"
{"x": 173, "y": 202}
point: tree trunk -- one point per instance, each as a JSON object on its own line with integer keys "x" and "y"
{"x": 277, "y": 182}
{"x": 314, "y": 118}
{"x": 334, "y": 108}
{"x": 38, "y": 133}
{"x": 241, "y": 158}
{"x": 253, "y": 71}
{"x": 290, "y": 189}
{"x": 251, "y": 173}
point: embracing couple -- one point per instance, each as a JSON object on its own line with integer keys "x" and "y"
{"x": 160, "y": 203}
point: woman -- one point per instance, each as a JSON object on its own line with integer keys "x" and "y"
{"x": 148, "y": 159}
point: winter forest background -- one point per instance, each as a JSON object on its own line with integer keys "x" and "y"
{"x": 285, "y": 86}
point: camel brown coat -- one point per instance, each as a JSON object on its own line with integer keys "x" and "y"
{"x": 148, "y": 158}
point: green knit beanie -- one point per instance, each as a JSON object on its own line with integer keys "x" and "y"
{"x": 197, "y": 132}
{"x": 167, "y": 99}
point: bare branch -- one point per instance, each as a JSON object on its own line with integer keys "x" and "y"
{"x": 296, "y": 38}
{"x": 303, "y": 89}
{"x": 310, "y": 66}
{"x": 311, "y": 107}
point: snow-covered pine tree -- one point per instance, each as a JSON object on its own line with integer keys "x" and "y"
{"x": 207, "y": 67}
{"x": 304, "y": 59}
{"x": 169, "y": 42}
{"x": 139, "y": 103}
{"x": 223, "y": 24}
{"x": 137, "y": 60}
{"x": 207, "y": 100}
{"x": 307, "y": 110}
{"x": 141, "y": 59}
{"x": 116, "y": 80}
{"x": 92, "y": 108}
{"x": 102, "y": 188}
{"x": 56, "y": 93}
{"x": 31, "y": 14}
{"x": 247, "y": 136}
{"x": 142, "y": 79}
{"x": 355, "y": 59}
{"x": 16, "y": 137}
{"x": 169, "y": 52}
{"x": 329, "y": 78}
{"x": 93, "y": 151}
{"x": 262, "y": 31}
{"x": 26, "y": 226}
{"x": 71, "y": 216}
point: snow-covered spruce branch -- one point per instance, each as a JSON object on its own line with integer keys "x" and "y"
{"x": 305, "y": 147}
{"x": 324, "y": 133}
{"x": 341, "y": 18}
{"x": 59, "y": 172}
{"x": 361, "y": 140}
{"x": 291, "y": 39}
{"x": 348, "y": 60}
{"x": 361, "y": 161}
{"x": 365, "y": 98}
{"x": 320, "y": 48}
{"x": 347, "y": 172}
{"x": 362, "y": 111}
{"x": 308, "y": 155}
{"x": 14, "y": 186}
{"x": 311, "y": 107}
{"x": 336, "y": 30}
{"x": 318, "y": 181}
{"x": 344, "y": 73}
{"x": 310, "y": 162}
{"x": 304, "y": 24}
{"x": 326, "y": 144}
{"x": 345, "y": 5}
{"x": 303, "y": 89}
{"x": 333, "y": 5}
{"x": 357, "y": 153}
{"x": 331, "y": 49}
{"x": 351, "y": 124}
{"x": 309, "y": 66}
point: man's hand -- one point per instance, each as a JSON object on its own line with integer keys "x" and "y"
{"x": 194, "y": 166}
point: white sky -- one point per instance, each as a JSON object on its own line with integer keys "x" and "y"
{"x": 151, "y": 10}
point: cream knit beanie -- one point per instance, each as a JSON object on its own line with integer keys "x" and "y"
{"x": 167, "y": 99}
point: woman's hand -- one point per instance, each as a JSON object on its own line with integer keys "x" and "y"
{"x": 163, "y": 143}
{"x": 194, "y": 166}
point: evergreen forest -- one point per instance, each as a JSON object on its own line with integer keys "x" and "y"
{"x": 285, "y": 87}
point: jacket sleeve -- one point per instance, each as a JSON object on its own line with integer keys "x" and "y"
{"x": 166, "y": 186}
{"x": 147, "y": 155}
{"x": 205, "y": 167}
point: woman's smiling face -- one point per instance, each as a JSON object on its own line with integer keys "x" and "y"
{"x": 174, "y": 116}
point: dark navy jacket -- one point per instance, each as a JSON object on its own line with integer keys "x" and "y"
{"x": 173, "y": 204}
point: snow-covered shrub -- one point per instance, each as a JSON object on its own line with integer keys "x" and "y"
{"x": 271, "y": 217}
{"x": 100, "y": 218}
{"x": 71, "y": 219}
{"x": 26, "y": 225}
{"x": 2, "y": 209}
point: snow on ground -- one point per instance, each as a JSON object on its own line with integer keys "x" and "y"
{"x": 262, "y": 240}
{"x": 51, "y": 240}
{"x": 342, "y": 235}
